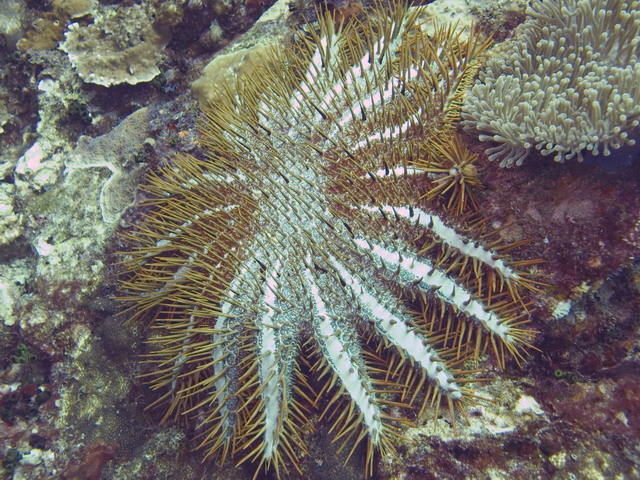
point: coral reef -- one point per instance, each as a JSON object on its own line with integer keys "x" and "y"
{"x": 568, "y": 81}
{"x": 71, "y": 395}
{"x": 58, "y": 215}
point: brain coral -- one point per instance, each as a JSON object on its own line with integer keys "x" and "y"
{"x": 568, "y": 81}
{"x": 121, "y": 46}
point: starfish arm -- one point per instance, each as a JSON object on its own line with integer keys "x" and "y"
{"x": 450, "y": 237}
{"x": 399, "y": 333}
{"x": 334, "y": 346}
{"x": 444, "y": 287}
{"x": 270, "y": 344}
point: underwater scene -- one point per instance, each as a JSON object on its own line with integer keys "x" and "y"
{"x": 319, "y": 239}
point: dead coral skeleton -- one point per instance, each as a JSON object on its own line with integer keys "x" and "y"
{"x": 568, "y": 81}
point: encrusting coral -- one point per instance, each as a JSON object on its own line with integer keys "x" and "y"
{"x": 299, "y": 265}
{"x": 568, "y": 81}
{"x": 122, "y": 45}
